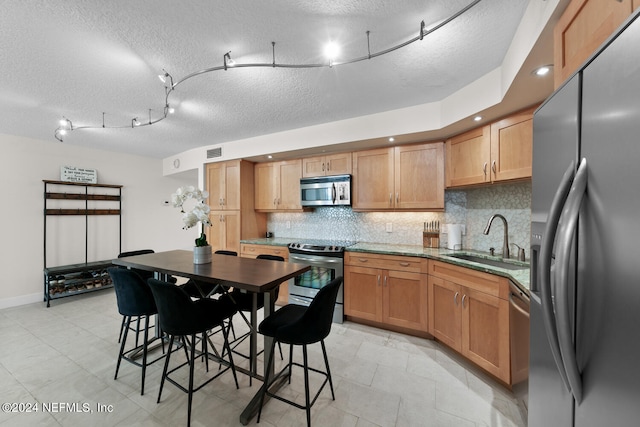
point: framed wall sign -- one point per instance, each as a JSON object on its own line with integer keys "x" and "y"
{"x": 73, "y": 174}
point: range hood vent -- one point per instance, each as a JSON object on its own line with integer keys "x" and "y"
{"x": 214, "y": 152}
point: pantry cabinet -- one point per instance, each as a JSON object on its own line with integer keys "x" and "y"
{"x": 386, "y": 290}
{"x": 277, "y": 186}
{"x": 469, "y": 312}
{"x": 231, "y": 197}
{"x": 408, "y": 177}
{"x": 501, "y": 151}
{"x": 582, "y": 28}
{"x": 248, "y": 250}
{"x": 332, "y": 164}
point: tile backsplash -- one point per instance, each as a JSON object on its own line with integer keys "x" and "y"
{"x": 472, "y": 208}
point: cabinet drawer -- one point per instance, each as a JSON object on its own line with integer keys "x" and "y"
{"x": 252, "y": 251}
{"x": 387, "y": 262}
{"x": 477, "y": 280}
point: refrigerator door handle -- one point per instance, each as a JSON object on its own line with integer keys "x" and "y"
{"x": 566, "y": 236}
{"x": 544, "y": 271}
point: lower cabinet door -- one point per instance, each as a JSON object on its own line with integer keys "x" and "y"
{"x": 445, "y": 314}
{"x": 363, "y": 293}
{"x": 485, "y": 332}
{"x": 404, "y": 301}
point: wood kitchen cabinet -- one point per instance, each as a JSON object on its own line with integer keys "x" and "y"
{"x": 223, "y": 181}
{"x": 387, "y": 291}
{"x": 469, "y": 312}
{"x": 501, "y": 151}
{"x": 332, "y": 164}
{"x": 277, "y": 186}
{"x": 408, "y": 177}
{"x": 225, "y": 230}
{"x": 233, "y": 217}
{"x": 582, "y": 28}
{"x": 248, "y": 250}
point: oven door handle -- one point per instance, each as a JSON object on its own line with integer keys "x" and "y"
{"x": 315, "y": 260}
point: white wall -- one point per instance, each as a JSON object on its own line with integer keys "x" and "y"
{"x": 146, "y": 223}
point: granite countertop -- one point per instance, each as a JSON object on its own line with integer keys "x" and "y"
{"x": 519, "y": 277}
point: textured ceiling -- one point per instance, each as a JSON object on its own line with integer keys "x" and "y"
{"x": 80, "y": 58}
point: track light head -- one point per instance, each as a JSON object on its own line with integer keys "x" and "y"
{"x": 163, "y": 77}
{"x": 228, "y": 62}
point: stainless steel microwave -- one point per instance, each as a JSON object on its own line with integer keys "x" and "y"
{"x": 326, "y": 191}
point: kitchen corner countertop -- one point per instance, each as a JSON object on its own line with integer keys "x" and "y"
{"x": 519, "y": 277}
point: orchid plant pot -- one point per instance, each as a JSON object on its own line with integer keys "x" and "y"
{"x": 202, "y": 254}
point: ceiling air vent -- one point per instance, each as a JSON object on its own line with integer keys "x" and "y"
{"x": 214, "y": 152}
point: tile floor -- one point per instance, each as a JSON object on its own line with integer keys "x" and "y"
{"x": 64, "y": 356}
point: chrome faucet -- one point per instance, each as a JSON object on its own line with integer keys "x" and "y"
{"x": 505, "y": 244}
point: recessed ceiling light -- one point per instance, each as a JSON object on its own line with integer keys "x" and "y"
{"x": 477, "y": 118}
{"x": 391, "y": 139}
{"x": 542, "y": 71}
{"x": 269, "y": 156}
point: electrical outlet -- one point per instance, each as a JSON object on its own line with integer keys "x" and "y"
{"x": 389, "y": 227}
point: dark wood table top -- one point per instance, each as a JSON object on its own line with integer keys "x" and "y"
{"x": 254, "y": 275}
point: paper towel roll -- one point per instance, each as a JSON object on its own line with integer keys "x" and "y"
{"x": 454, "y": 240}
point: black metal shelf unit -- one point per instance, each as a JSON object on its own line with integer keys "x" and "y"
{"x": 74, "y": 279}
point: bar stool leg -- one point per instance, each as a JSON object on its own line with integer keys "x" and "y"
{"x": 166, "y": 365}
{"x": 326, "y": 364}
{"x": 191, "y": 366}
{"x": 122, "y": 344}
{"x": 306, "y": 384}
{"x": 144, "y": 352}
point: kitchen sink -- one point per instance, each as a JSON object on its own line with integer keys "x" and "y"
{"x": 488, "y": 261}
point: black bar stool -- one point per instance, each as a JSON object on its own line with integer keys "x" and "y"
{"x": 134, "y": 299}
{"x": 244, "y": 303}
{"x": 182, "y": 318}
{"x": 300, "y": 325}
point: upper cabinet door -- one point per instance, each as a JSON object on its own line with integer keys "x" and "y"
{"x": 223, "y": 185}
{"x": 231, "y": 200}
{"x": 469, "y": 157}
{"x": 373, "y": 187}
{"x": 333, "y": 164}
{"x": 582, "y": 28}
{"x": 266, "y": 192}
{"x": 419, "y": 176}
{"x": 338, "y": 164}
{"x": 215, "y": 184}
{"x": 288, "y": 175}
{"x": 511, "y": 147}
{"x": 313, "y": 166}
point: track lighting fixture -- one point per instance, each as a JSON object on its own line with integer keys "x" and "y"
{"x": 228, "y": 62}
{"x": 331, "y": 51}
{"x": 163, "y": 77}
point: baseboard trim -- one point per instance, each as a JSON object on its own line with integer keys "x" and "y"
{"x": 21, "y": 300}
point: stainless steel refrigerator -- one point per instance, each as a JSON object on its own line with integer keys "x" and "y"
{"x": 585, "y": 280}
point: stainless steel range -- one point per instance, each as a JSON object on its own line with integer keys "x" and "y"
{"x": 326, "y": 259}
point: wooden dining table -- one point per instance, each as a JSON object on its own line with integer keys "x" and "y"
{"x": 249, "y": 274}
